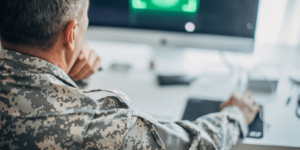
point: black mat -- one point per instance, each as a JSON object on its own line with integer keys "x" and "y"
{"x": 197, "y": 108}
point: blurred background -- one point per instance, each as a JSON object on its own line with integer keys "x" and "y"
{"x": 176, "y": 58}
{"x": 171, "y": 55}
{"x": 279, "y": 22}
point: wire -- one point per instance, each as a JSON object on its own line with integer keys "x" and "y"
{"x": 298, "y": 111}
{"x": 226, "y": 62}
{"x": 267, "y": 100}
{"x": 237, "y": 67}
{"x": 290, "y": 95}
{"x": 298, "y": 98}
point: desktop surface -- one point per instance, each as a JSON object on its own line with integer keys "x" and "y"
{"x": 199, "y": 107}
{"x": 169, "y": 103}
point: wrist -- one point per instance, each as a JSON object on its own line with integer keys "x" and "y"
{"x": 234, "y": 113}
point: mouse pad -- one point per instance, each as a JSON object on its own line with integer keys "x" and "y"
{"x": 197, "y": 108}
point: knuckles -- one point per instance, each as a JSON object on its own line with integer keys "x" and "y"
{"x": 89, "y": 66}
{"x": 93, "y": 70}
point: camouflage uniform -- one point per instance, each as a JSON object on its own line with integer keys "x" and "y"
{"x": 42, "y": 108}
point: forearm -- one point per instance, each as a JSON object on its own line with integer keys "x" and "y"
{"x": 217, "y": 131}
{"x": 214, "y": 131}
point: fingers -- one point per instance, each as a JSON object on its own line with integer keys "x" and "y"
{"x": 248, "y": 99}
{"x": 234, "y": 97}
{"x": 92, "y": 67}
{"x": 77, "y": 68}
{"x": 223, "y": 105}
{"x": 89, "y": 66}
{"x": 96, "y": 67}
{"x": 230, "y": 102}
{"x": 81, "y": 60}
{"x": 88, "y": 62}
{"x": 246, "y": 104}
{"x": 81, "y": 56}
{"x": 256, "y": 108}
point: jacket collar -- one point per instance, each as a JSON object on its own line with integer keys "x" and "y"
{"x": 37, "y": 63}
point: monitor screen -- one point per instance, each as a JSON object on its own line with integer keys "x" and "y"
{"x": 218, "y": 17}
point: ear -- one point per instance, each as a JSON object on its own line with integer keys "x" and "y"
{"x": 71, "y": 33}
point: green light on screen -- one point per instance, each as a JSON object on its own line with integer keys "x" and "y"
{"x": 139, "y": 4}
{"x": 167, "y": 5}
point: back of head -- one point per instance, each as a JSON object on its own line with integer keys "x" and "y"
{"x": 37, "y": 23}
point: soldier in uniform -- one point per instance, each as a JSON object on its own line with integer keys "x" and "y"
{"x": 42, "y": 108}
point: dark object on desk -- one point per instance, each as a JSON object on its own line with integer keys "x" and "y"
{"x": 288, "y": 101}
{"x": 197, "y": 108}
{"x": 262, "y": 85}
{"x": 298, "y": 107}
{"x": 82, "y": 83}
{"x": 174, "y": 80}
{"x": 119, "y": 67}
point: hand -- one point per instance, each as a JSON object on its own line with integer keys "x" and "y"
{"x": 245, "y": 104}
{"x": 88, "y": 62}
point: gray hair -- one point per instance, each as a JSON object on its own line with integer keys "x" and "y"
{"x": 38, "y": 23}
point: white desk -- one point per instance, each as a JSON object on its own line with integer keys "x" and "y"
{"x": 168, "y": 103}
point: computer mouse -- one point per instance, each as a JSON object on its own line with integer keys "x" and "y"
{"x": 295, "y": 76}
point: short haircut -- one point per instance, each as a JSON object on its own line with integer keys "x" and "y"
{"x": 37, "y": 23}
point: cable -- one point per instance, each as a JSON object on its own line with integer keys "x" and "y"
{"x": 298, "y": 111}
{"x": 298, "y": 98}
{"x": 226, "y": 62}
{"x": 237, "y": 67}
{"x": 267, "y": 100}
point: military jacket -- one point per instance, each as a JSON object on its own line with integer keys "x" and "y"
{"x": 42, "y": 108}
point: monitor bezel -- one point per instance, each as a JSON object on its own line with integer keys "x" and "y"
{"x": 158, "y": 38}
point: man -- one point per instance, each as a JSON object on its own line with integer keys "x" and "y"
{"x": 42, "y": 108}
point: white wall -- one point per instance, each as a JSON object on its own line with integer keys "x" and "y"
{"x": 279, "y": 22}
{"x": 270, "y": 18}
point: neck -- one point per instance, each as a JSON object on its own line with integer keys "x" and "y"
{"x": 55, "y": 55}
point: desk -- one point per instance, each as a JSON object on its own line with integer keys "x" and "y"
{"x": 168, "y": 103}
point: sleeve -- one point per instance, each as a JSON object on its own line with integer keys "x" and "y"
{"x": 212, "y": 132}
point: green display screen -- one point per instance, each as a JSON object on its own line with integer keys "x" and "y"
{"x": 189, "y": 6}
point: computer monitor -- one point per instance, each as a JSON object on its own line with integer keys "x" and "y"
{"x": 212, "y": 24}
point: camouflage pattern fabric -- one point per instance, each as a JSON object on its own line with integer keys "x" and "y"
{"x": 42, "y": 108}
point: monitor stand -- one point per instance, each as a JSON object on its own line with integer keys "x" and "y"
{"x": 189, "y": 61}
{"x": 196, "y": 65}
